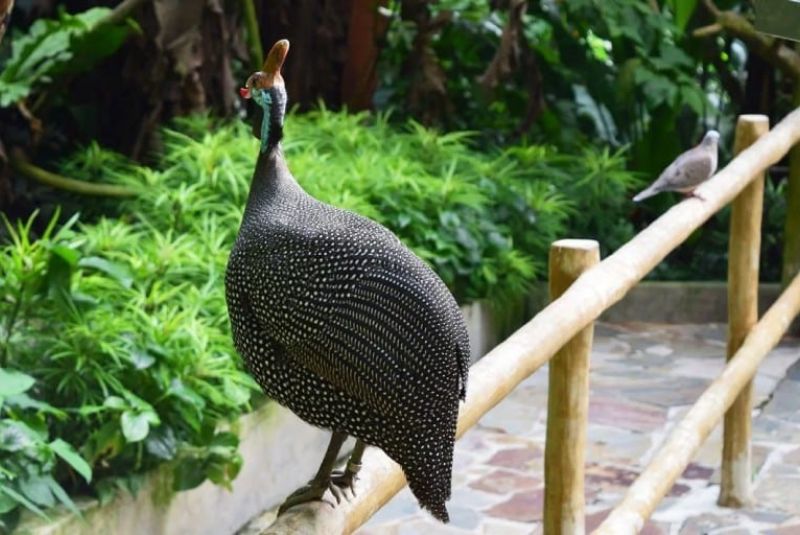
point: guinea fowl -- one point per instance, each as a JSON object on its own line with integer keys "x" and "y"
{"x": 338, "y": 321}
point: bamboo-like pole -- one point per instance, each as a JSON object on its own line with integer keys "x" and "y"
{"x": 493, "y": 377}
{"x": 743, "y": 258}
{"x": 567, "y": 400}
{"x": 669, "y": 463}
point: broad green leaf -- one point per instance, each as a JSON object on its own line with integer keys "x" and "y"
{"x": 37, "y": 490}
{"x": 135, "y": 426}
{"x": 70, "y": 456}
{"x": 188, "y": 474}
{"x": 13, "y": 382}
{"x": 141, "y": 359}
{"x": 161, "y": 443}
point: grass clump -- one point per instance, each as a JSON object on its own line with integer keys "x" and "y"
{"x": 116, "y": 349}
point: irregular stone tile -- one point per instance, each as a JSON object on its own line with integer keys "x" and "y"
{"x": 659, "y": 350}
{"x": 595, "y": 519}
{"x": 697, "y": 471}
{"x": 619, "y": 413}
{"x": 792, "y": 457}
{"x": 703, "y": 524}
{"x": 782, "y": 362}
{"x": 509, "y": 417}
{"x": 605, "y": 476}
{"x": 650, "y": 528}
{"x": 402, "y": 506}
{"x": 773, "y": 518}
{"x": 676, "y": 391}
{"x": 498, "y": 526}
{"x": 774, "y": 429}
{"x": 521, "y": 507}
{"x": 784, "y": 404}
{"x": 793, "y": 373}
{"x": 474, "y": 499}
{"x": 516, "y": 458}
{"x": 780, "y": 493}
{"x": 615, "y": 445}
{"x": 464, "y": 518}
{"x": 428, "y": 527}
{"x": 505, "y": 481}
{"x": 789, "y": 527}
{"x": 678, "y": 489}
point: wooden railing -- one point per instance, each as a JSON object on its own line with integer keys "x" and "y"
{"x": 583, "y": 288}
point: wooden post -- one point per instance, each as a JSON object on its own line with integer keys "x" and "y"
{"x": 568, "y": 399}
{"x": 743, "y": 257}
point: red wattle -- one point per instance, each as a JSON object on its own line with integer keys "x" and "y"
{"x": 244, "y": 92}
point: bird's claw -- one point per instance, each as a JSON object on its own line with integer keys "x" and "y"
{"x": 343, "y": 481}
{"x": 309, "y": 493}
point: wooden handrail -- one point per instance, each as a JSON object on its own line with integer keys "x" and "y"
{"x": 493, "y": 377}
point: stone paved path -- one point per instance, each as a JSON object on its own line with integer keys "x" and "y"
{"x": 644, "y": 379}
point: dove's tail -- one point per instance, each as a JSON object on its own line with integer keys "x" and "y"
{"x": 646, "y": 194}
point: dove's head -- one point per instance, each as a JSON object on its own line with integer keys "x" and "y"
{"x": 711, "y": 139}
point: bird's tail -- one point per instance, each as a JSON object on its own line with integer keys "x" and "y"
{"x": 646, "y": 194}
{"x": 426, "y": 457}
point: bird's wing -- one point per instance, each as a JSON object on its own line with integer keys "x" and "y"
{"x": 688, "y": 171}
{"x": 366, "y": 319}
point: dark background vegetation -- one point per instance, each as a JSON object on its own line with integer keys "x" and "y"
{"x": 479, "y": 131}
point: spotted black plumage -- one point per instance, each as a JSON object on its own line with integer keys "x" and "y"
{"x": 340, "y": 322}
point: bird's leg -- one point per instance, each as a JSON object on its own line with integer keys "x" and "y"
{"x": 346, "y": 479}
{"x": 693, "y": 193}
{"x": 322, "y": 481}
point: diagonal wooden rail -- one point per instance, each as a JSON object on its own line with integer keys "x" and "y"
{"x": 493, "y": 377}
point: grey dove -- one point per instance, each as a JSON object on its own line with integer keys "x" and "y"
{"x": 688, "y": 171}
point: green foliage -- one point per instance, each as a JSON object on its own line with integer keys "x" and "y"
{"x": 53, "y": 47}
{"x": 125, "y": 356}
{"x": 620, "y": 72}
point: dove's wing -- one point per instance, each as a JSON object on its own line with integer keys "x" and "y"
{"x": 688, "y": 171}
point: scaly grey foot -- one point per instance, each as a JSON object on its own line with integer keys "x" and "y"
{"x": 342, "y": 481}
{"x": 309, "y": 493}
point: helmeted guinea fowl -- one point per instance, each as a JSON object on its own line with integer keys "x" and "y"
{"x": 338, "y": 321}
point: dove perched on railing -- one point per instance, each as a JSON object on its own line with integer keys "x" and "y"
{"x": 688, "y": 171}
